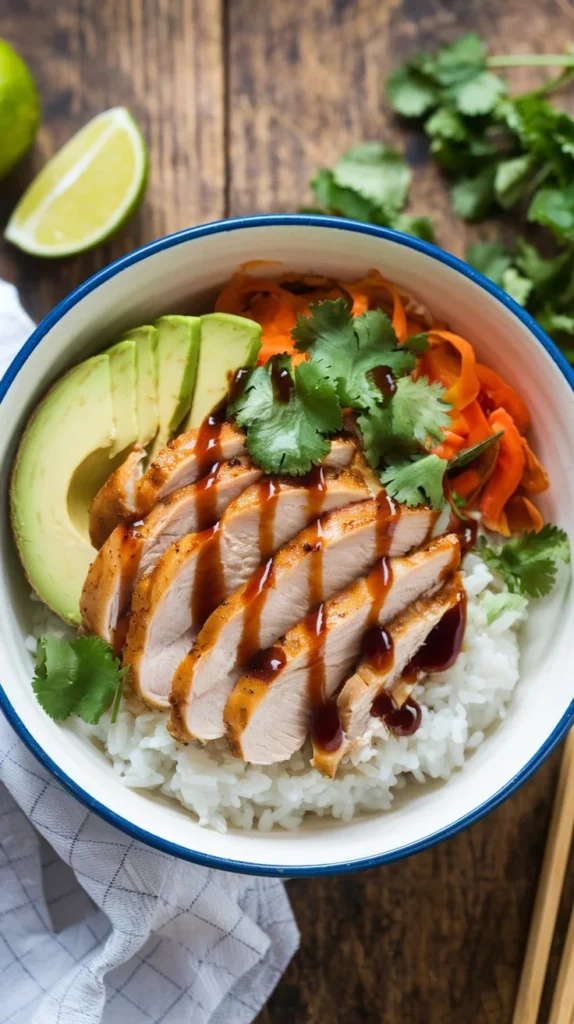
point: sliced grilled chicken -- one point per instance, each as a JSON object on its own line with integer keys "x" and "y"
{"x": 115, "y": 502}
{"x": 268, "y": 714}
{"x": 316, "y": 564}
{"x": 199, "y": 571}
{"x": 109, "y": 584}
{"x": 407, "y": 633}
{"x": 190, "y": 456}
{"x": 187, "y": 510}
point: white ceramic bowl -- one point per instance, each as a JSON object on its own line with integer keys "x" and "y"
{"x": 176, "y": 274}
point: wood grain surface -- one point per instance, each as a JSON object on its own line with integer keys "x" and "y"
{"x": 240, "y": 101}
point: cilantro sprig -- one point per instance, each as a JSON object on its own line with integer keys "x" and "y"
{"x": 418, "y": 482}
{"x": 370, "y": 182}
{"x": 288, "y": 436}
{"x": 527, "y": 563}
{"x": 80, "y": 677}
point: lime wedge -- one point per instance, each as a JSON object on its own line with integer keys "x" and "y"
{"x": 86, "y": 191}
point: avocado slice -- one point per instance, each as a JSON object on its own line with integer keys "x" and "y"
{"x": 146, "y": 339}
{"x": 123, "y": 381}
{"x": 64, "y": 445}
{"x": 228, "y": 342}
{"x": 177, "y": 352}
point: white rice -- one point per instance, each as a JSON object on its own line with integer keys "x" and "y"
{"x": 458, "y": 706}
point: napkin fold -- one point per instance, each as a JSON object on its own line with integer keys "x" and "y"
{"x": 95, "y": 926}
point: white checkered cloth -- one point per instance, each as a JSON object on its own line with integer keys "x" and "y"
{"x": 95, "y": 926}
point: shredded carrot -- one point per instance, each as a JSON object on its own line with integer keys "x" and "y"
{"x": 497, "y": 394}
{"x": 535, "y": 478}
{"x": 464, "y": 388}
{"x": 506, "y": 475}
{"x": 521, "y": 514}
{"x": 500, "y": 479}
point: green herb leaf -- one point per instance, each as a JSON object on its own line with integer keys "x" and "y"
{"x": 376, "y": 172}
{"x": 346, "y": 349}
{"x": 458, "y": 62}
{"x": 496, "y": 604}
{"x": 479, "y": 95}
{"x": 554, "y": 208}
{"x": 78, "y": 676}
{"x": 446, "y": 124}
{"x": 511, "y": 179}
{"x": 518, "y": 287}
{"x": 491, "y": 258}
{"x": 418, "y": 411}
{"x": 527, "y": 563}
{"x": 410, "y": 92}
{"x": 472, "y": 198}
{"x": 288, "y": 437}
{"x": 416, "y": 483}
{"x": 468, "y": 455}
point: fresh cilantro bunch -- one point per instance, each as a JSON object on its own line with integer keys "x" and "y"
{"x": 527, "y": 563}
{"x": 80, "y": 677}
{"x": 370, "y": 183}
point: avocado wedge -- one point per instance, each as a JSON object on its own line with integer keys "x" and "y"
{"x": 146, "y": 339}
{"x": 123, "y": 381}
{"x": 70, "y": 433}
{"x": 177, "y": 355}
{"x": 228, "y": 342}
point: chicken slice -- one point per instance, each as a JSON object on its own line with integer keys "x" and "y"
{"x": 316, "y": 564}
{"x": 190, "y": 456}
{"x": 199, "y": 571}
{"x": 268, "y": 714}
{"x": 131, "y": 551}
{"x": 115, "y": 502}
{"x": 406, "y": 634}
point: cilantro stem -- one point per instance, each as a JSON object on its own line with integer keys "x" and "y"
{"x": 117, "y": 698}
{"x": 532, "y": 60}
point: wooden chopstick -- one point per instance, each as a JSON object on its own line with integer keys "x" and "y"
{"x": 547, "y": 903}
{"x": 562, "y": 1009}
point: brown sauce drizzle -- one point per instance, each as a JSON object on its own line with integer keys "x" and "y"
{"x": 209, "y": 583}
{"x": 326, "y": 729}
{"x": 384, "y": 380}
{"x": 254, "y": 597}
{"x": 443, "y": 644}
{"x": 208, "y": 441}
{"x": 377, "y": 649}
{"x": 265, "y": 664}
{"x": 282, "y": 383}
{"x": 236, "y": 383}
{"x": 267, "y": 500}
{"x": 403, "y": 721}
{"x": 206, "y": 503}
{"x": 466, "y": 532}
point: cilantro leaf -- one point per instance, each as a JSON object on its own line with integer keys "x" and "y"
{"x": 416, "y": 412}
{"x": 472, "y": 198}
{"x": 288, "y": 436}
{"x": 97, "y": 677}
{"x": 554, "y": 208}
{"x": 378, "y": 173}
{"x": 416, "y": 483}
{"x": 491, "y": 258}
{"x": 517, "y": 286}
{"x": 527, "y": 562}
{"x": 54, "y": 682}
{"x": 78, "y": 676}
{"x": 511, "y": 178}
{"x": 410, "y": 92}
{"x": 446, "y": 124}
{"x": 480, "y": 94}
{"x": 347, "y": 349}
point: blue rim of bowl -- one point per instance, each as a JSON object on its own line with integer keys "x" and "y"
{"x": 217, "y": 227}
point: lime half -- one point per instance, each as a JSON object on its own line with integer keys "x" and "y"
{"x": 19, "y": 108}
{"x": 86, "y": 191}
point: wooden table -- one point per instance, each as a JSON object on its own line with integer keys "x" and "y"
{"x": 240, "y": 101}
